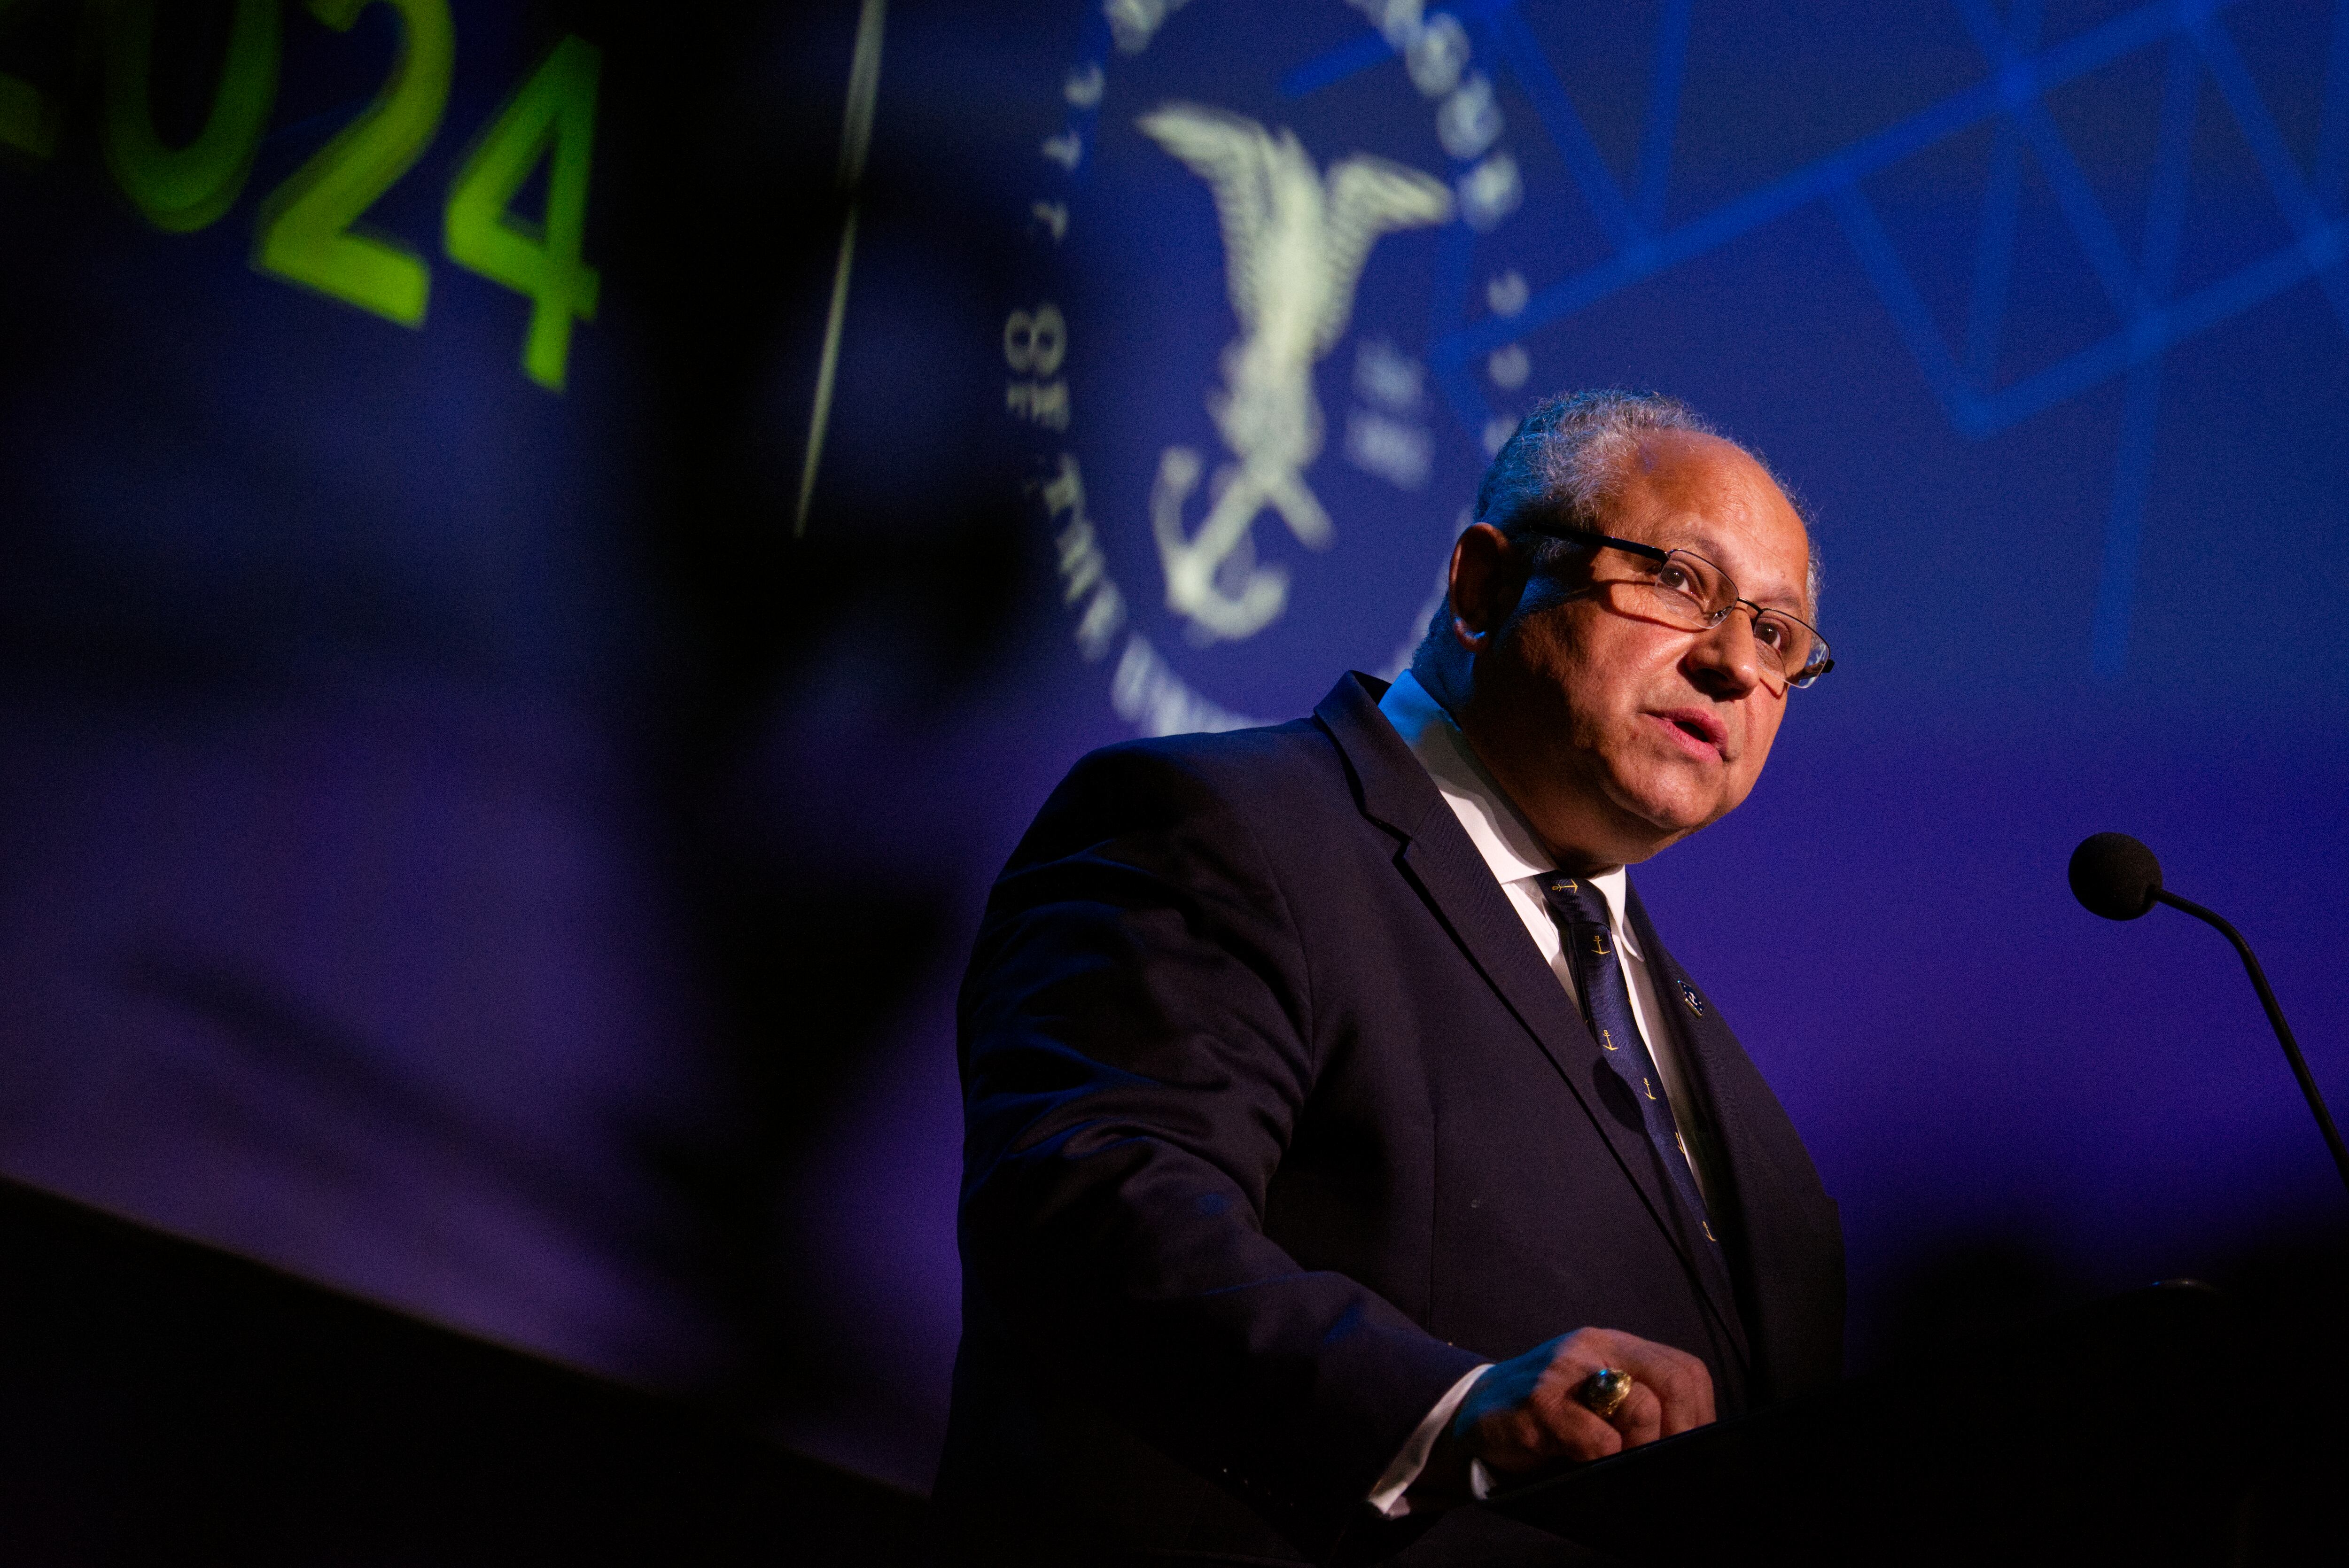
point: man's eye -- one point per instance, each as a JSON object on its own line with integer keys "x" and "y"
{"x": 1770, "y": 632}
{"x": 1675, "y": 577}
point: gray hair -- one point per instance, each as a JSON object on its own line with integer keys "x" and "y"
{"x": 1567, "y": 457}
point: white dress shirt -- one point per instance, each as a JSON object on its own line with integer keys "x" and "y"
{"x": 1514, "y": 855}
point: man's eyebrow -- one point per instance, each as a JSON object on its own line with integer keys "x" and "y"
{"x": 1701, "y": 543}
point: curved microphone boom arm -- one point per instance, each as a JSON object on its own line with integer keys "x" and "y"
{"x": 2117, "y": 877}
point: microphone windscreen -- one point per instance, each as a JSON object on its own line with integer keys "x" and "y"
{"x": 2115, "y": 876}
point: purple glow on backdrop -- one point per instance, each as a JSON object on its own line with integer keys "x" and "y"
{"x": 439, "y": 856}
{"x": 369, "y": 986}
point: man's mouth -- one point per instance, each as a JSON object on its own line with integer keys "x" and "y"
{"x": 1696, "y": 732}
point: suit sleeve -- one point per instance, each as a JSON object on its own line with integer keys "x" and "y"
{"x": 1137, "y": 1046}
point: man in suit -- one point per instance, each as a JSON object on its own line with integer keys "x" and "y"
{"x": 1336, "y": 1115}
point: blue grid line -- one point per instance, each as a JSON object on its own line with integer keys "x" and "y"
{"x": 1909, "y": 316}
{"x": 2001, "y": 213}
{"x": 2157, "y": 331}
{"x": 1723, "y": 223}
{"x": 1358, "y": 54}
{"x": 2021, "y": 73}
{"x": 2164, "y": 224}
{"x": 1364, "y": 51}
{"x": 1517, "y": 45}
{"x": 2085, "y": 215}
{"x": 1995, "y": 255}
{"x": 2251, "y": 112}
{"x": 2074, "y": 58}
{"x": 2164, "y": 200}
{"x": 2259, "y": 128}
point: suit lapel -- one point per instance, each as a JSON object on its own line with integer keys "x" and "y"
{"x": 1772, "y": 1210}
{"x": 1453, "y": 878}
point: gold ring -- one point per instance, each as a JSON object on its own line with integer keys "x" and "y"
{"x": 1603, "y": 1392}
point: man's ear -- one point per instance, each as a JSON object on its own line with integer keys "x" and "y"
{"x": 1485, "y": 581}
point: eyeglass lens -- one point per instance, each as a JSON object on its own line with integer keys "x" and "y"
{"x": 1690, "y": 592}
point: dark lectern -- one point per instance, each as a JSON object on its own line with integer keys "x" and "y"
{"x": 2126, "y": 1432}
{"x": 164, "y": 1402}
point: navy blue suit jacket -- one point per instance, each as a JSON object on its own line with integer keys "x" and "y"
{"x": 1277, "y": 1123}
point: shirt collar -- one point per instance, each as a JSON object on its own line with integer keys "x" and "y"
{"x": 1509, "y": 846}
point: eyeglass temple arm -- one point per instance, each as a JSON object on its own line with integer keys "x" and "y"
{"x": 1589, "y": 536}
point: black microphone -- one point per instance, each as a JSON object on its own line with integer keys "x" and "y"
{"x": 2117, "y": 877}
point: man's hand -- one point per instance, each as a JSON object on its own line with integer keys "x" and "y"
{"x": 1522, "y": 1414}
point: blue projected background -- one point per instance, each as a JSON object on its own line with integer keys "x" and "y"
{"x": 506, "y": 842}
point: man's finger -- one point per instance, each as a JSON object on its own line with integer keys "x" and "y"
{"x": 1540, "y": 1432}
{"x": 1581, "y": 1431}
{"x": 1577, "y": 1433}
{"x": 1528, "y": 1414}
{"x": 1692, "y": 1404}
{"x": 1641, "y": 1417}
{"x": 1682, "y": 1385}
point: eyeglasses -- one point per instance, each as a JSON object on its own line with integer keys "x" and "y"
{"x": 1678, "y": 588}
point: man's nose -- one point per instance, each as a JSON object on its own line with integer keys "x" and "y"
{"x": 1726, "y": 662}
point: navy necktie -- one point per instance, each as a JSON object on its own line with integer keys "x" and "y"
{"x": 1580, "y": 911}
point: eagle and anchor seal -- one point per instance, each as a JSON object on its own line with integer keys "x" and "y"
{"x": 1216, "y": 549}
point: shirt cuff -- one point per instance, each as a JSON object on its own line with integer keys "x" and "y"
{"x": 1388, "y": 1497}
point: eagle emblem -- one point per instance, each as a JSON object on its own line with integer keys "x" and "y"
{"x": 1295, "y": 242}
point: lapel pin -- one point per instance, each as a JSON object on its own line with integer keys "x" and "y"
{"x": 1695, "y": 1002}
